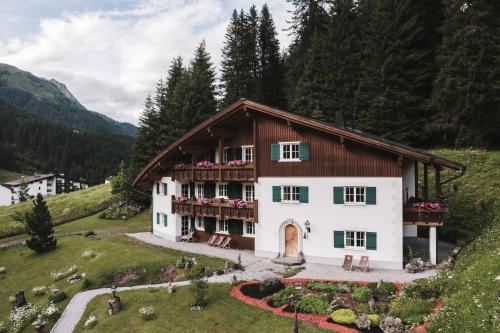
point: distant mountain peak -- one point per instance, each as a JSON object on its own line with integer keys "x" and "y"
{"x": 65, "y": 91}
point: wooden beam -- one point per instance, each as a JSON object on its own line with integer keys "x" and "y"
{"x": 438, "y": 184}
{"x": 221, "y": 155}
{"x": 426, "y": 182}
{"x": 416, "y": 179}
{"x": 255, "y": 148}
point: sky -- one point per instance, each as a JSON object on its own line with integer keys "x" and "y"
{"x": 111, "y": 53}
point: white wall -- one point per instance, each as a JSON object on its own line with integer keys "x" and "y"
{"x": 162, "y": 203}
{"x": 5, "y": 196}
{"x": 384, "y": 218}
{"x": 409, "y": 178}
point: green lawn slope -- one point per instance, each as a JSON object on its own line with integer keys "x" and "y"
{"x": 7, "y": 176}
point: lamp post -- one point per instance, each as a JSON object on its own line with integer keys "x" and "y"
{"x": 307, "y": 224}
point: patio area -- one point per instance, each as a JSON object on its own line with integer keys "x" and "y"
{"x": 259, "y": 267}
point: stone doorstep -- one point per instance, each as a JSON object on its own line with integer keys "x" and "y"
{"x": 288, "y": 261}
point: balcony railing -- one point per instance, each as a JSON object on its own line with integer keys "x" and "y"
{"x": 219, "y": 208}
{"x": 423, "y": 216}
{"x": 217, "y": 172}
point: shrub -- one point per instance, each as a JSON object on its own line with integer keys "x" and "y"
{"x": 121, "y": 210}
{"x": 56, "y": 276}
{"x": 39, "y": 290}
{"x": 199, "y": 285}
{"x": 12, "y": 300}
{"x": 328, "y": 287}
{"x": 282, "y": 297}
{"x": 375, "y": 319}
{"x": 270, "y": 285}
{"x": 147, "y": 312}
{"x": 125, "y": 277}
{"x": 181, "y": 262}
{"x": 423, "y": 288}
{"x": 362, "y": 294}
{"x": 39, "y": 226}
{"x": 51, "y": 312}
{"x": 386, "y": 289}
{"x": 362, "y": 308}
{"x": 312, "y": 304}
{"x": 90, "y": 322}
{"x": 57, "y": 296}
{"x": 410, "y": 310}
{"x": 20, "y": 317}
{"x": 344, "y": 316}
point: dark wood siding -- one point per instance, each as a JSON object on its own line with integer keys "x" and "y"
{"x": 328, "y": 157}
{"x": 237, "y": 242}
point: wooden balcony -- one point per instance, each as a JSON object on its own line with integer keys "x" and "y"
{"x": 424, "y": 217}
{"x": 218, "y": 208}
{"x": 216, "y": 173}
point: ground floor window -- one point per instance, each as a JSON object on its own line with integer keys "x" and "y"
{"x": 223, "y": 226}
{"x": 185, "y": 225}
{"x": 355, "y": 239}
{"x": 200, "y": 222}
{"x": 250, "y": 228}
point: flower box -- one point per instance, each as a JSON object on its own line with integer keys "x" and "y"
{"x": 205, "y": 164}
{"x": 204, "y": 201}
{"x": 426, "y": 205}
{"x": 236, "y": 163}
{"x": 181, "y": 199}
{"x": 237, "y": 203}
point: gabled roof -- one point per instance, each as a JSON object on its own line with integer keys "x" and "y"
{"x": 344, "y": 132}
{"x": 29, "y": 179}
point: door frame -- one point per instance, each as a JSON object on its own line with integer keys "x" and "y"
{"x": 300, "y": 236}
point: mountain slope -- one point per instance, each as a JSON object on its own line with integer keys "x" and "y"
{"x": 51, "y": 100}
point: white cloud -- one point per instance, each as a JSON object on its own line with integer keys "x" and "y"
{"x": 111, "y": 59}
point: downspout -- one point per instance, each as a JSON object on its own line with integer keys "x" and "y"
{"x": 462, "y": 172}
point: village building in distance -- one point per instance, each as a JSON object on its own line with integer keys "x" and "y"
{"x": 284, "y": 185}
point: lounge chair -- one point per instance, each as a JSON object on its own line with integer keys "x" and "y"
{"x": 212, "y": 239}
{"x": 188, "y": 237}
{"x": 347, "y": 262}
{"x": 219, "y": 241}
{"x": 363, "y": 264}
{"x": 225, "y": 243}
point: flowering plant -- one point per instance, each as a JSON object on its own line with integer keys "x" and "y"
{"x": 205, "y": 164}
{"x": 39, "y": 290}
{"x": 87, "y": 254}
{"x": 147, "y": 312}
{"x": 90, "y": 322}
{"x": 426, "y": 205}
{"x": 180, "y": 166}
{"x": 236, "y": 163}
{"x": 204, "y": 201}
{"x": 20, "y": 317}
{"x": 51, "y": 312}
{"x": 181, "y": 199}
{"x": 56, "y": 276}
{"x": 237, "y": 203}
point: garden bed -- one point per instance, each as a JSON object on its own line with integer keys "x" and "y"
{"x": 315, "y": 300}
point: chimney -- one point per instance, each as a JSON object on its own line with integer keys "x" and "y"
{"x": 339, "y": 119}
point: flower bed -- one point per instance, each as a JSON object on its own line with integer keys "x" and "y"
{"x": 312, "y": 295}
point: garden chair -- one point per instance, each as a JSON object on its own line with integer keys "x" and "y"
{"x": 188, "y": 237}
{"x": 363, "y": 264}
{"x": 219, "y": 241}
{"x": 212, "y": 239}
{"x": 225, "y": 243}
{"x": 347, "y": 262}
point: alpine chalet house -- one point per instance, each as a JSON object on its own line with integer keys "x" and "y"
{"x": 281, "y": 184}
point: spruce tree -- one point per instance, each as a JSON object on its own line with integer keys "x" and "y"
{"x": 38, "y": 224}
{"x": 271, "y": 64}
{"x": 146, "y": 143}
{"x": 467, "y": 87}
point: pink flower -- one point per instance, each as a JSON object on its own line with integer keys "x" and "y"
{"x": 205, "y": 201}
{"x": 236, "y": 163}
{"x": 237, "y": 203}
{"x": 205, "y": 164}
{"x": 180, "y": 166}
{"x": 181, "y": 199}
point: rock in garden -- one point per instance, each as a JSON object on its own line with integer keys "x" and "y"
{"x": 428, "y": 265}
{"x": 392, "y": 325}
{"x": 3, "y": 270}
{"x": 363, "y": 323}
{"x": 20, "y": 299}
{"x": 371, "y": 304}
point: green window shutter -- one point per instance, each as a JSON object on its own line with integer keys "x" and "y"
{"x": 209, "y": 189}
{"x": 191, "y": 189}
{"x": 157, "y": 188}
{"x": 338, "y": 195}
{"x": 237, "y": 191}
{"x": 165, "y": 188}
{"x": 165, "y": 220}
{"x": 371, "y": 240}
{"x": 275, "y": 152}
{"x": 230, "y": 154}
{"x": 157, "y": 218}
{"x": 371, "y": 195}
{"x": 238, "y": 153}
{"x": 304, "y": 151}
{"x": 276, "y": 193}
{"x": 304, "y": 194}
{"x": 338, "y": 239}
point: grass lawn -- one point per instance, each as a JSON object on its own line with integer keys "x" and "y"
{"x": 114, "y": 252}
{"x": 7, "y": 176}
{"x": 59, "y": 204}
{"x": 224, "y": 314}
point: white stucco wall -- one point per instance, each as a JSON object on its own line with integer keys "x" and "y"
{"x": 162, "y": 203}
{"x": 409, "y": 178}
{"x": 384, "y": 218}
{"x": 5, "y": 196}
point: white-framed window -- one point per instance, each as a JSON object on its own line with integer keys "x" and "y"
{"x": 247, "y": 153}
{"x": 249, "y": 192}
{"x": 355, "y": 239}
{"x": 200, "y": 190}
{"x": 249, "y": 228}
{"x": 289, "y": 151}
{"x": 355, "y": 194}
{"x": 225, "y": 154}
{"x": 290, "y": 194}
{"x": 223, "y": 226}
{"x": 200, "y": 222}
{"x": 222, "y": 190}
{"x": 185, "y": 190}
{"x": 184, "y": 225}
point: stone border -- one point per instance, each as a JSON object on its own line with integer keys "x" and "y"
{"x": 321, "y": 321}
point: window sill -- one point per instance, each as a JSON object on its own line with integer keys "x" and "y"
{"x": 355, "y": 204}
{"x": 290, "y": 160}
{"x": 355, "y": 248}
{"x": 290, "y": 202}
{"x": 249, "y": 235}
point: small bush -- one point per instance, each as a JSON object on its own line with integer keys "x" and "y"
{"x": 90, "y": 322}
{"x": 88, "y": 254}
{"x": 147, "y": 312}
{"x": 181, "y": 262}
{"x": 344, "y": 316}
{"x": 39, "y": 290}
{"x": 282, "y": 297}
{"x": 386, "y": 289}
{"x": 59, "y": 275}
{"x": 375, "y": 319}
{"x": 410, "y": 310}
{"x": 57, "y": 296}
{"x": 362, "y": 294}
{"x": 362, "y": 308}
{"x": 423, "y": 288}
{"x": 270, "y": 285}
{"x": 328, "y": 287}
{"x": 51, "y": 312}
{"x": 312, "y": 304}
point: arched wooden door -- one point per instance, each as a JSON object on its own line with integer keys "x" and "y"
{"x": 291, "y": 241}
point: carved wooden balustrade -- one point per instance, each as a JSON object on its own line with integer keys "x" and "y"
{"x": 217, "y": 172}
{"x": 423, "y": 216}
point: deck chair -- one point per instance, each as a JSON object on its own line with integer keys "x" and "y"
{"x": 188, "y": 237}
{"x": 225, "y": 243}
{"x": 219, "y": 241}
{"x": 363, "y": 264}
{"x": 347, "y": 262}
{"x": 212, "y": 239}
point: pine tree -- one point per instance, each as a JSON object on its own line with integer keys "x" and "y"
{"x": 23, "y": 193}
{"x": 271, "y": 64}
{"x": 168, "y": 128}
{"x": 38, "y": 224}
{"x": 146, "y": 144}
{"x": 467, "y": 88}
